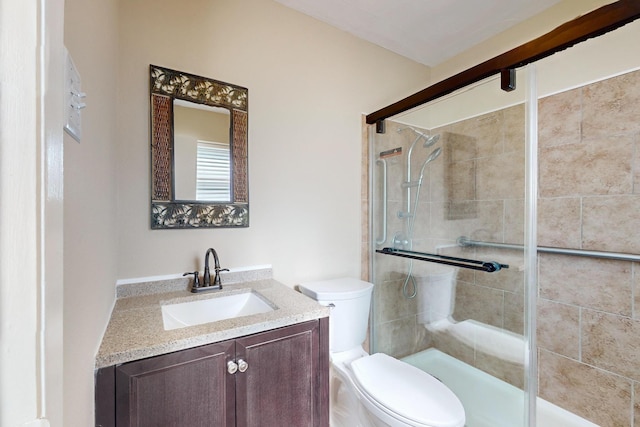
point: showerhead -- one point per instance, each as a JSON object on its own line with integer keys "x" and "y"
{"x": 414, "y": 130}
{"x": 429, "y": 140}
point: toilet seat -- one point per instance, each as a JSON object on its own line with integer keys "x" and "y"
{"x": 406, "y": 393}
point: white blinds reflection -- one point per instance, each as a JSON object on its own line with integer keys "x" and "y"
{"x": 213, "y": 172}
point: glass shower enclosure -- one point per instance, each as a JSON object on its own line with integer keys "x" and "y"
{"x": 505, "y": 240}
{"x": 448, "y": 178}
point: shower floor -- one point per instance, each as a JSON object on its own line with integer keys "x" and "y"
{"x": 488, "y": 401}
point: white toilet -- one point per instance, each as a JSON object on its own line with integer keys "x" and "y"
{"x": 375, "y": 390}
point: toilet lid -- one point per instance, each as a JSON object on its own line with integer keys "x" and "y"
{"x": 408, "y": 391}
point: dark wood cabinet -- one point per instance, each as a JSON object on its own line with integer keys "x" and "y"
{"x": 187, "y": 388}
{"x": 280, "y": 379}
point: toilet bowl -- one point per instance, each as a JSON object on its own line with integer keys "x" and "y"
{"x": 375, "y": 390}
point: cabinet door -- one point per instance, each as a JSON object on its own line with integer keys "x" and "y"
{"x": 187, "y": 388}
{"x": 282, "y": 385}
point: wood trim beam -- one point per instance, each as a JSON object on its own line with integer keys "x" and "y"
{"x": 592, "y": 24}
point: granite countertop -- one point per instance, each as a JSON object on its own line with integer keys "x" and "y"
{"x": 135, "y": 330}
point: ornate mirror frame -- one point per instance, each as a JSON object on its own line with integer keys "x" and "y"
{"x": 167, "y": 212}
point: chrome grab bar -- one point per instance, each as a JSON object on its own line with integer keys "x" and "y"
{"x": 384, "y": 202}
{"x": 464, "y": 241}
{"x": 488, "y": 266}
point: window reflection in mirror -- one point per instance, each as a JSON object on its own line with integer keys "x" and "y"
{"x": 202, "y": 157}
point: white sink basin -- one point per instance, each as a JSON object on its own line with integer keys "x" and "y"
{"x": 192, "y": 313}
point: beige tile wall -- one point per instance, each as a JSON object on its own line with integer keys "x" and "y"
{"x": 588, "y": 311}
{"x": 589, "y": 198}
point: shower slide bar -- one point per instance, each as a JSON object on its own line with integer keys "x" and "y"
{"x": 488, "y": 266}
{"x": 464, "y": 242}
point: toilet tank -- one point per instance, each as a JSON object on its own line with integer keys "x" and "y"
{"x": 349, "y": 300}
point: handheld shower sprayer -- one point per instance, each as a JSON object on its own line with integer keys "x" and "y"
{"x": 434, "y": 155}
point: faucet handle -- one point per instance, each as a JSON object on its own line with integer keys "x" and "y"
{"x": 217, "y": 281}
{"x": 196, "y": 279}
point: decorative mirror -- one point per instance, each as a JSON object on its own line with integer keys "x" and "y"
{"x": 199, "y": 156}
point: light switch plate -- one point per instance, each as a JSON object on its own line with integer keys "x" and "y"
{"x": 74, "y": 99}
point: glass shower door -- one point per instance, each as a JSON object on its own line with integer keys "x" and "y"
{"x": 448, "y": 247}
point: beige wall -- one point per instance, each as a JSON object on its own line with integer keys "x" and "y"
{"x": 308, "y": 86}
{"x": 90, "y": 229}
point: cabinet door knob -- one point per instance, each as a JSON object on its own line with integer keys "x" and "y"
{"x": 242, "y": 365}
{"x": 232, "y": 367}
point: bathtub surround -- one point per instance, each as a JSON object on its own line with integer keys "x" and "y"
{"x": 589, "y": 198}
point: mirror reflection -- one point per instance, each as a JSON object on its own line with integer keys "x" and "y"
{"x": 199, "y": 156}
{"x": 202, "y": 153}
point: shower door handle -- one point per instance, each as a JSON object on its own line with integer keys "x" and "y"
{"x": 488, "y": 266}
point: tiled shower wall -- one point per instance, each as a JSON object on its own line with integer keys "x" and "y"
{"x": 589, "y": 309}
{"x": 589, "y": 198}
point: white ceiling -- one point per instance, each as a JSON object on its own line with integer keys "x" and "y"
{"x": 427, "y": 31}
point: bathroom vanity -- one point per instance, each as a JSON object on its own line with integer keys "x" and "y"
{"x": 260, "y": 369}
